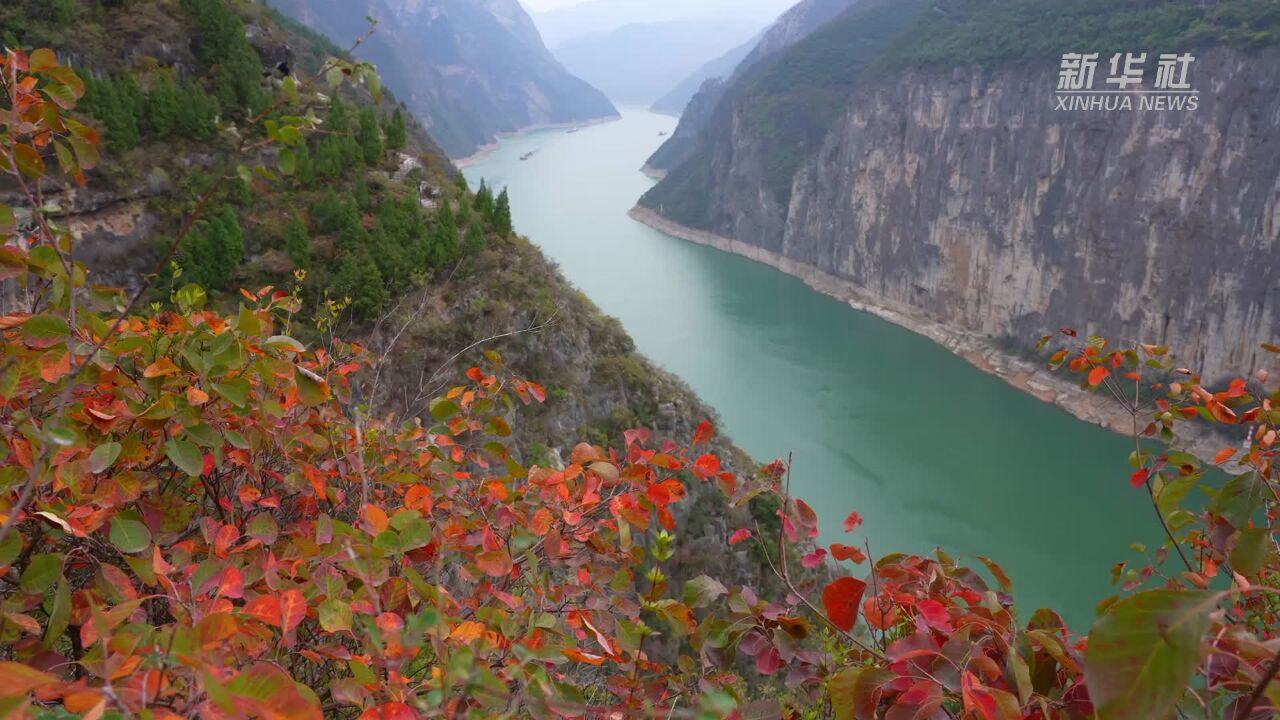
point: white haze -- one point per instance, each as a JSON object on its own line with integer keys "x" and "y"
{"x": 561, "y": 20}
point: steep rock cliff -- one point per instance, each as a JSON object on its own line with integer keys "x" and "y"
{"x": 960, "y": 196}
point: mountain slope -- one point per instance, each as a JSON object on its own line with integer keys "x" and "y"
{"x": 678, "y": 97}
{"x": 922, "y": 169}
{"x": 470, "y": 70}
{"x": 796, "y": 23}
{"x": 636, "y": 63}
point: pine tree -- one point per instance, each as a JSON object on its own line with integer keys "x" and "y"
{"x": 164, "y": 106}
{"x": 474, "y": 241}
{"x": 502, "y": 215}
{"x": 483, "y": 202}
{"x": 306, "y": 170}
{"x": 369, "y": 136}
{"x": 360, "y": 279}
{"x": 297, "y": 243}
{"x": 364, "y": 200}
{"x": 197, "y": 111}
{"x": 444, "y": 241}
{"x": 397, "y": 135}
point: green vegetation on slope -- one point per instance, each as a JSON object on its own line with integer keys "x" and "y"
{"x": 999, "y": 31}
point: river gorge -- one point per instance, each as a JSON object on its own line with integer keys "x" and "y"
{"x": 879, "y": 419}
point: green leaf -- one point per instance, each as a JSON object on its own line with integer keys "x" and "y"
{"x": 335, "y": 615}
{"x": 8, "y": 222}
{"x": 186, "y": 456}
{"x": 284, "y": 342}
{"x": 191, "y": 297}
{"x": 1144, "y": 650}
{"x": 42, "y": 59}
{"x": 1250, "y": 553}
{"x": 129, "y": 536}
{"x": 11, "y": 548}
{"x": 103, "y": 457}
{"x": 235, "y": 392}
{"x": 287, "y": 161}
{"x": 41, "y": 573}
{"x": 1239, "y": 499}
{"x": 45, "y": 330}
{"x": 59, "y": 614}
{"x": 29, "y": 160}
{"x": 312, "y": 392}
{"x": 702, "y": 591}
{"x": 1173, "y": 491}
{"x": 442, "y": 409}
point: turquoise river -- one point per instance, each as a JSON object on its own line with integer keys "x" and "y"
{"x": 930, "y": 450}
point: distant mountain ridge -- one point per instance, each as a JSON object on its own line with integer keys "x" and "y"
{"x": 795, "y": 24}
{"x": 471, "y": 70}
{"x": 638, "y": 63}
{"x": 595, "y": 17}
{"x": 678, "y": 97}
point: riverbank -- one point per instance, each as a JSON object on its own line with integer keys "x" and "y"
{"x": 984, "y": 353}
{"x": 486, "y": 150}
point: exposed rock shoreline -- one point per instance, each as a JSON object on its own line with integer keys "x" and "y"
{"x": 983, "y": 353}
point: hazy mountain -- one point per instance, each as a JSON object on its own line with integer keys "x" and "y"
{"x": 804, "y": 18}
{"x": 595, "y": 17}
{"x": 470, "y": 69}
{"x": 638, "y": 63}
{"x": 674, "y": 102}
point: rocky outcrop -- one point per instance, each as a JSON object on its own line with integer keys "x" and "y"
{"x": 470, "y": 70}
{"x": 965, "y": 198}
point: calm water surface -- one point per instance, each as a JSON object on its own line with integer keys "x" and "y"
{"x": 930, "y": 450}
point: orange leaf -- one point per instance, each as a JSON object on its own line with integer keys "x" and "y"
{"x": 374, "y": 519}
{"x": 1223, "y": 455}
{"x": 495, "y": 563}
{"x": 841, "y": 599}
{"x": 265, "y": 608}
{"x": 1097, "y": 375}
{"x": 390, "y": 711}
{"x": 17, "y": 679}
{"x": 583, "y": 657}
{"x": 467, "y": 632}
{"x": 848, "y": 552}
{"x": 160, "y": 368}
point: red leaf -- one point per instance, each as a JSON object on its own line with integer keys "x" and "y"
{"x": 739, "y": 536}
{"x": 207, "y": 470}
{"x": 1097, "y": 375}
{"x": 841, "y": 599}
{"x": 704, "y": 433}
{"x": 848, "y": 552}
{"x": 814, "y": 559}
{"x": 293, "y": 608}
{"x": 853, "y": 521}
{"x": 265, "y": 608}
{"x": 706, "y": 466}
{"x": 1139, "y": 479}
{"x": 231, "y": 585}
{"x": 769, "y": 661}
{"x": 390, "y": 711}
{"x": 935, "y": 613}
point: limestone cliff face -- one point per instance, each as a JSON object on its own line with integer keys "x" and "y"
{"x": 964, "y": 197}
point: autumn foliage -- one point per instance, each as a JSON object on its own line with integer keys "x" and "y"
{"x": 200, "y": 519}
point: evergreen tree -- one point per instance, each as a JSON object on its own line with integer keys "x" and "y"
{"x": 164, "y": 106}
{"x": 483, "y": 202}
{"x": 360, "y": 279}
{"x": 397, "y": 135}
{"x": 364, "y": 201}
{"x": 474, "y": 241}
{"x": 214, "y": 250}
{"x": 369, "y": 137}
{"x": 327, "y": 214}
{"x": 197, "y": 112}
{"x": 502, "y": 215}
{"x": 297, "y": 243}
{"x": 444, "y": 241}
